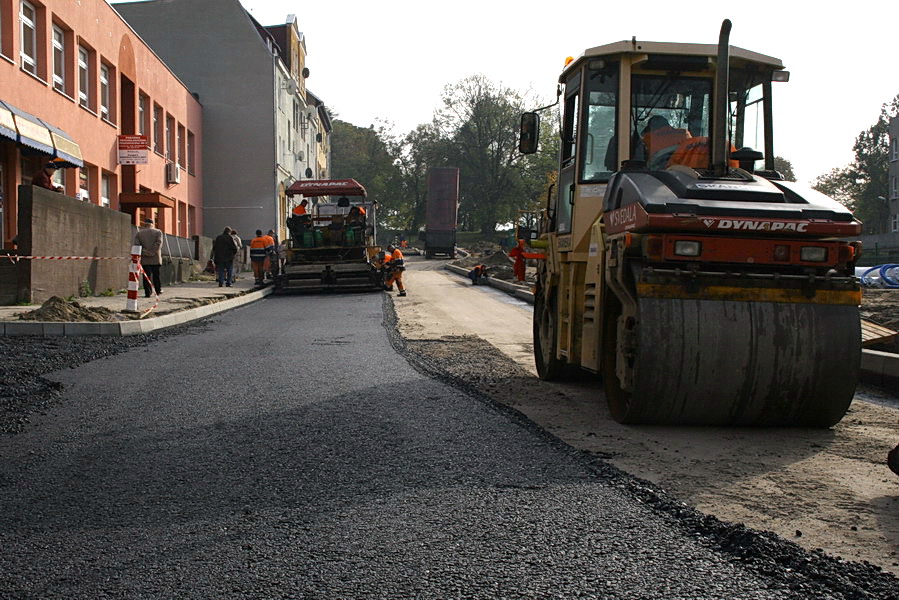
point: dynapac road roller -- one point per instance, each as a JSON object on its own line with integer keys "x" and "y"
{"x": 679, "y": 264}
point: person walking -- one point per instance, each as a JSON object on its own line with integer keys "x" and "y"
{"x": 238, "y": 260}
{"x": 261, "y": 248}
{"x": 224, "y": 248}
{"x": 396, "y": 266}
{"x": 274, "y": 266}
{"x": 150, "y": 240}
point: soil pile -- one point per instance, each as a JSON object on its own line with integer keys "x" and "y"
{"x": 57, "y": 309}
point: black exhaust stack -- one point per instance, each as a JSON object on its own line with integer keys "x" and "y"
{"x": 720, "y": 145}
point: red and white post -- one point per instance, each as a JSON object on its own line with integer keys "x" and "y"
{"x": 133, "y": 279}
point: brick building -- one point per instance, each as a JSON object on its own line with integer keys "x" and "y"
{"x": 74, "y": 76}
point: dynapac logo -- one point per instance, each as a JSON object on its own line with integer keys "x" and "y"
{"x": 747, "y": 225}
{"x": 626, "y": 215}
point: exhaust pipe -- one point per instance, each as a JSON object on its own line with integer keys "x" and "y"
{"x": 720, "y": 146}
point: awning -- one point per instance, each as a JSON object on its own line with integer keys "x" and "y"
{"x": 65, "y": 150}
{"x": 145, "y": 200}
{"x": 32, "y": 132}
{"x": 326, "y": 187}
{"x": 7, "y": 125}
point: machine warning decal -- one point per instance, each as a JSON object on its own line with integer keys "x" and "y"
{"x": 749, "y": 225}
{"x": 594, "y": 249}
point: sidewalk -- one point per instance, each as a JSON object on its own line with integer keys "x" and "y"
{"x": 178, "y": 303}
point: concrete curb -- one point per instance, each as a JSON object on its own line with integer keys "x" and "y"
{"x": 123, "y": 328}
{"x": 516, "y": 290}
{"x": 878, "y": 368}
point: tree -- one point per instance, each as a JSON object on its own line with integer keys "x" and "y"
{"x": 478, "y": 120}
{"x": 785, "y": 168}
{"x": 366, "y": 154}
{"x": 863, "y": 185}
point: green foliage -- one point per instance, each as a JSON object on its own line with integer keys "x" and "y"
{"x": 476, "y": 130}
{"x": 863, "y": 185}
{"x": 785, "y": 168}
{"x": 108, "y": 292}
{"x": 84, "y": 290}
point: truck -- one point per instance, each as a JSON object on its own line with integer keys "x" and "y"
{"x": 440, "y": 212}
{"x": 331, "y": 247}
{"x": 701, "y": 287}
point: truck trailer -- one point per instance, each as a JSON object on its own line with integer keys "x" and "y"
{"x": 440, "y": 211}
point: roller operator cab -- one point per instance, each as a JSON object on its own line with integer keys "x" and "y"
{"x": 679, "y": 265}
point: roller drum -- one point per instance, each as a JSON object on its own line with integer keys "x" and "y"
{"x": 721, "y": 362}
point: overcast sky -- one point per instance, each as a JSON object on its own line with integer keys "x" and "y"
{"x": 391, "y": 59}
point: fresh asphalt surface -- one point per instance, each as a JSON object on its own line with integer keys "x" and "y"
{"x": 285, "y": 449}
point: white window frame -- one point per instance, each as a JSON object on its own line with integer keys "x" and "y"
{"x": 83, "y": 180}
{"x": 158, "y": 132}
{"x": 170, "y": 152}
{"x": 105, "y": 189}
{"x": 104, "y": 91}
{"x": 895, "y": 148}
{"x": 59, "y": 59}
{"x": 26, "y": 23}
{"x": 142, "y": 102}
{"x": 894, "y": 187}
{"x": 84, "y": 76}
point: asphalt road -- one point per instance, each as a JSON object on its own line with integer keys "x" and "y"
{"x": 288, "y": 449}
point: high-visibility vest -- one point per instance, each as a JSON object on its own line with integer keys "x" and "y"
{"x": 299, "y": 209}
{"x": 260, "y": 247}
{"x": 396, "y": 259}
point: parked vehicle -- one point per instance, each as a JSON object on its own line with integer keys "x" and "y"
{"x": 441, "y": 211}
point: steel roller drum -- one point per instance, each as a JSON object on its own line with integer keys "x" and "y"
{"x": 720, "y": 362}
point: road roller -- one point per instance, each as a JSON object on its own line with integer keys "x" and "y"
{"x": 680, "y": 266}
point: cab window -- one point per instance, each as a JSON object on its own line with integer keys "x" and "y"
{"x": 600, "y": 146}
{"x": 670, "y": 121}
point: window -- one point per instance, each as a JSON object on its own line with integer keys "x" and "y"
{"x": 143, "y": 104}
{"x": 181, "y": 146}
{"x": 600, "y": 157}
{"x": 84, "y": 184}
{"x": 895, "y": 145}
{"x": 104, "y": 91}
{"x": 59, "y": 59}
{"x": 157, "y": 129}
{"x": 28, "y": 36}
{"x": 894, "y": 223}
{"x": 894, "y": 187}
{"x": 170, "y": 138}
{"x": 83, "y": 77}
{"x": 191, "y": 152}
{"x": 105, "y": 189}
{"x": 59, "y": 178}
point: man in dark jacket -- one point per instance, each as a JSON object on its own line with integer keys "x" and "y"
{"x": 224, "y": 248}
{"x": 150, "y": 240}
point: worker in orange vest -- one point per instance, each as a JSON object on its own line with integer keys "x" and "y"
{"x": 395, "y": 267}
{"x": 261, "y": 249}
{"x": 661, "y": 141}
{"x": 519, "y": 254}
{"x": 300, "y": 209}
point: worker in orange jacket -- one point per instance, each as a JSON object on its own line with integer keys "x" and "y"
{"x": 300, "y": 209}
{"x": 395, "y": 266}
{"x": 519, "y": 254}
{"x": 261, "y": 249}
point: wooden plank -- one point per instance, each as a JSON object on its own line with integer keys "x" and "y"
{"x": 872, "y": 333}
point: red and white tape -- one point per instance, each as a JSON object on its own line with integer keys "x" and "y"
{"x": 18, "y": 257}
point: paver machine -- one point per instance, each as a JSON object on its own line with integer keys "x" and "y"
{"x": 332, "y": 246}
{"x": 680, "y": 266}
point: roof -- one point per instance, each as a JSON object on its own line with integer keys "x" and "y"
{"x": 326, "y": 187}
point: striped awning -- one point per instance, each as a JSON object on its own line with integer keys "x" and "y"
{"x": 7, "y": 125}
{"x": 35, "y": 133}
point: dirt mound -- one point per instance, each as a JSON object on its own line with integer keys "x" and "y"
{"x": 58, "y": 309}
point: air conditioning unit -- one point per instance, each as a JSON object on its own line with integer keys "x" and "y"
{"x": 172, "y": 173}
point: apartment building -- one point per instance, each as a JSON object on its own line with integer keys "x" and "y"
{"x": 261, "y": 132}
{"x": 74, "y": 77}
